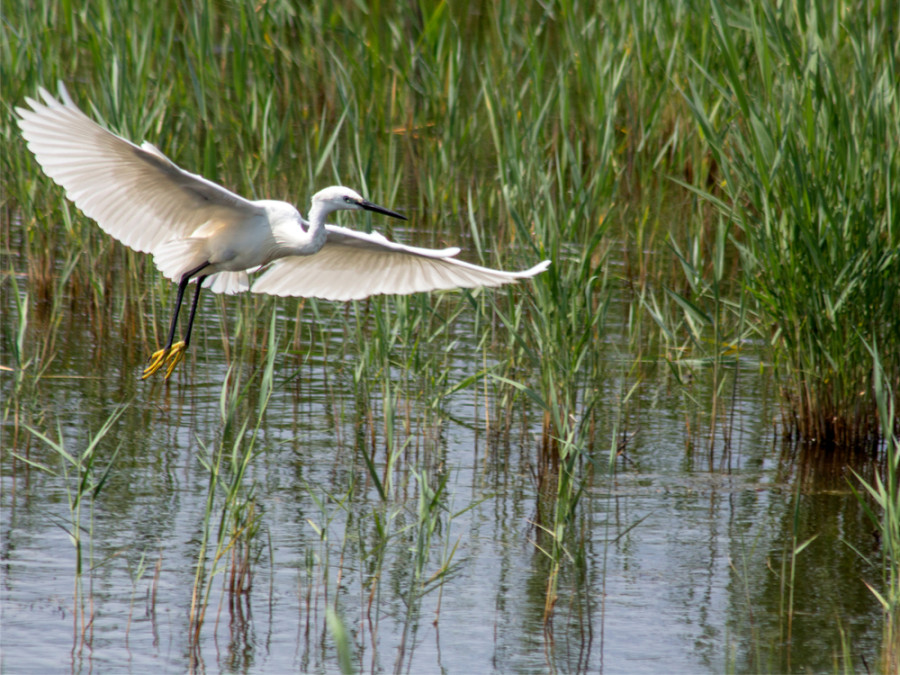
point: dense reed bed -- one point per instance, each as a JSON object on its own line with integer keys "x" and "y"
{"x": 549, "y": 134}
{"x": 802, "y": 134}
{"x": 715, "y": 186}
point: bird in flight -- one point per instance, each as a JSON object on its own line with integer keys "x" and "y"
{"x": 200, "y": 232}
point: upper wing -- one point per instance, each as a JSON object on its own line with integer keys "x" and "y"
{"x": 353, "y": 265}
{"x": 136, "y": 194}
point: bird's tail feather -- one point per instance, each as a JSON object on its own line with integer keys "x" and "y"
{"x": 229, "y": 282}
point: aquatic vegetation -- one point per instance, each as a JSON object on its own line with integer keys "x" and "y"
{"x": 530, "y": 472}
{"x": 883, "y": 493}
{"x": 232, "y": 494}
{"x": 806, "y": 174}
{"x": 84, "y": 479}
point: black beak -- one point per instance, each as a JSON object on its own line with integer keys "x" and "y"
{"x": 369, "y": 206}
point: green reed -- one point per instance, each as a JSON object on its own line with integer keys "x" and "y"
{"x": 801, "y": 133}
{"x": 699, "y": 174}
{"x": 704, "y": 326}
{"x": 883, "y": 492}
{"x": 403, "y": 547}
{"x": 342, "y": 642}
{"x": 239, "y": 520}
{"x": 557, "y": 184}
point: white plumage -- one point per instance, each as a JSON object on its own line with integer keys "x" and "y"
{"x": 354, "y": 265}
{"x": 197, "y": 230}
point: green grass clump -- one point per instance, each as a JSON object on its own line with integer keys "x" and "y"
{"x": 803, "y": 131}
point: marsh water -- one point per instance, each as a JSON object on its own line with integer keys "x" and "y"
{"x": 687, "y": 556}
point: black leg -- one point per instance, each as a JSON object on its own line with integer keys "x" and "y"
{"x": 172, "y": 353}
{"x": 182, "y": 285}
{"x": 187, "y": 335}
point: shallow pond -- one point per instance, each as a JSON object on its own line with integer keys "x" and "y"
{"x": 681, "y": 559}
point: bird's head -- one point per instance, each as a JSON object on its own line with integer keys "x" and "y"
{"x": 338, "y": 197}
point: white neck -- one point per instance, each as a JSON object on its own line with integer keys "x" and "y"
{"x": 318, "y": 212}
{"x": 292, "y": 233}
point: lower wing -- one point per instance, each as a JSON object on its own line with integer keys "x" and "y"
{"x": 354, "y": 265}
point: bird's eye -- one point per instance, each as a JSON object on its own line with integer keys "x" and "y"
{"x": 348, "y": 200}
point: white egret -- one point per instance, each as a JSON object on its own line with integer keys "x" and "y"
{"x": 198, "y": 231}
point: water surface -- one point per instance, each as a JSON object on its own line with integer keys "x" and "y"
{"x": 682, "y": 561}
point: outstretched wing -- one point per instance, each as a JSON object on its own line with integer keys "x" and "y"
{"x": 354, "y": 265}
{"x": 136, "y": 194}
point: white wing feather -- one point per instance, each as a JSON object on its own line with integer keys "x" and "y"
{"x": 354, "y": 265}
{"x": 136, "y": 194}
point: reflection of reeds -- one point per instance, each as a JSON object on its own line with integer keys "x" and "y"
{"x": 83, "y": 478}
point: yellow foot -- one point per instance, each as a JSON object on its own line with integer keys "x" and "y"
{"x": 172, "y": 356}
